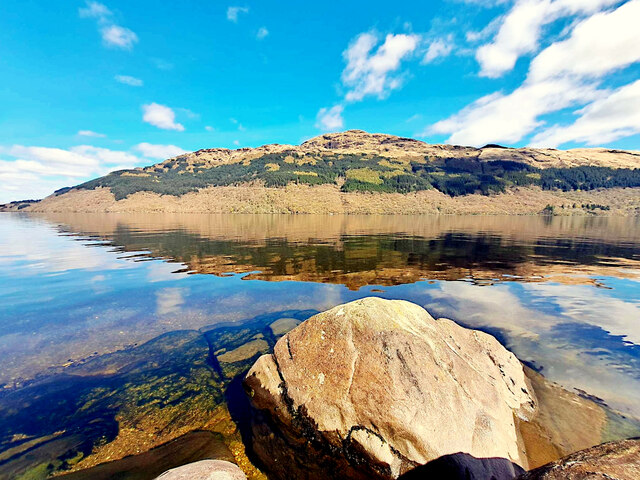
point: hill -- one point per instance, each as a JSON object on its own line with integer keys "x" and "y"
{"x": 358, "y": 172}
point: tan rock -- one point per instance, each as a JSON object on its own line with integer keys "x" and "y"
{"x": 375, "y": 388}
{"x": 614, "y": 460}
{"x": 205, "y": 470}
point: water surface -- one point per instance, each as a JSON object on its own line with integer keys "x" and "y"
{"x": 107, "y": 320}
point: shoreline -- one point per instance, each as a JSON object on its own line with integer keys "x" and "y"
{"x": 329, "y": 200}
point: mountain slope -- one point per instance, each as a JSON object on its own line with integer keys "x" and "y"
{"x": 343, "y": 164}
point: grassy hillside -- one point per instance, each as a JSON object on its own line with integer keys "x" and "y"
{"x": 362, "y": 172}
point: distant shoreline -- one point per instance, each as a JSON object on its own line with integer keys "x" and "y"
{"x": 328, "y": 199}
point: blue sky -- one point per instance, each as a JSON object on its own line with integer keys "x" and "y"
{"x": 89, "y": 87}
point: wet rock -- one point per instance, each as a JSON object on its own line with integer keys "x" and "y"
{"x": 614, "y": 460}
{"x": 376, "y": 388}
{"x": 205, "y": 470}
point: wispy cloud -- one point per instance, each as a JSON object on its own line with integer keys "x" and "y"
{"x": 262, "y": 33}
{"x": 330, "y": 119}
{"x": 609, "y": 118}
{"x": 128, "y": 80}
{"x": 439, "y": 48}
{"x": 94, "y": 10}
{"x": 118, "y": 37}
{"x": 159, "y": 152}
{"x": 499, "y": 117}
{"x": 105, "y": 155}
{"x": 234, "y": 12}
{"x": 161, "y": 116}
{"x": 33, "y": 171}
{"x": 90, "y": 133}
{"x": 568, "y": 73}
{"x": 371, "y": 70}
{"x": 521, "y": 28}
{"x": 113, "y": 35}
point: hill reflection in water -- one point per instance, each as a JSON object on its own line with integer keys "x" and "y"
{"x": 158, "y": 310}
{"x": 375, "y": 250}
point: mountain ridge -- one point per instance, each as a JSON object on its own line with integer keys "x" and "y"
{"x": 338, "y": 172}
{"x": 392, "y": 145}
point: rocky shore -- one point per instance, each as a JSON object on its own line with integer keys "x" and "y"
{"x": 372, "y": 389}
{"x": 379, "y": 389}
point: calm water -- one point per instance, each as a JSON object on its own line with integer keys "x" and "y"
{"x": 106, "y": 318}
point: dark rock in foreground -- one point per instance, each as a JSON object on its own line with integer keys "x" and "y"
{"x": 614, "y": 460}
{"x": 376, "y": 388}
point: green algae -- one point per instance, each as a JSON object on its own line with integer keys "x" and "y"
{"x": 131, "y": 399}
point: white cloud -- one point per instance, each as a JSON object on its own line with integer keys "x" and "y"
{"x": 94, "y": 10}
{"x": 330, "y": 119}
{"x": 105, "y": 156}
{"x": 566, "y": 74}
{"x": 372, "y": 69}
{"x": 521, "y": 29}
{"x": 614, "y": 116}
{"x": 209, "y": 128}
{"x": 90, "y": 133}
{"x": 369, "y": 73}
{"x": 262, "y": 33}
{"x": 236, "y": 143}
{"x": 161, "y": 116}
{"x": 84, "y": 158}
{"x": 497, "y": 117}
{"x": 30, "y": 169}
{"x": 35, "y": 172}
{"x": 598, "y": 45}
{"x": 128, "y": 80}
{"x": 50, "y": 156}
{"x": 485, "y": 3}
{"x": 113, "y": 35}
{"x": 485, "y": 32}
{"x": 119, "y": 37}
{"x": 439, "y": 48}
{"x": 159, "y": 151}
{"x": 234, "y": 12}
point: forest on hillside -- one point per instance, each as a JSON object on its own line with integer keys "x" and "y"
{"x": 363, "y": 173}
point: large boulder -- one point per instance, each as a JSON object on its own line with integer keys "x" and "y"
{"x": 376, "y": 388}
{"x": 205, "y": 470}
{"x": 614, "y": 460}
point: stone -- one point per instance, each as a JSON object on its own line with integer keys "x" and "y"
{"x": 376, "y": 388}
{"x": 205, "y": 470}
{"x": 614, "y": 460}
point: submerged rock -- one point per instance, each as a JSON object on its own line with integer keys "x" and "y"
{"x": 205, "y": 470}
{"x": 614, "y": 460}
{"x": 376, "y": 388}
